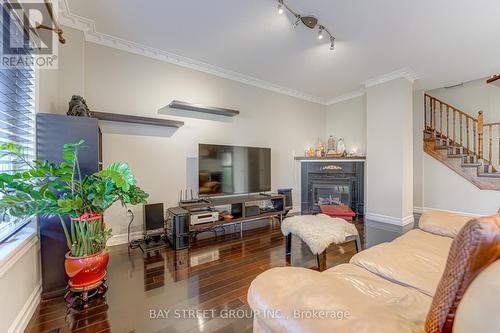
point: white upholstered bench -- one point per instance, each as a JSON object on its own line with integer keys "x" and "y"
{"x": 318, "y": 232}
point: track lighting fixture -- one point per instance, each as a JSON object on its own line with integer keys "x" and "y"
{"x": 280, "y": 7}
{"x": 309, "y": 21}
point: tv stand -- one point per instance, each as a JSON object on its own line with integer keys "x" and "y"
{"x": 238, "y": 210}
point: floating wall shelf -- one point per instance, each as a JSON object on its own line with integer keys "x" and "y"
{"x": 204, "y": 109}
{"x": 123, "y": 118}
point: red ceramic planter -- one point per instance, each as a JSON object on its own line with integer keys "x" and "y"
{"x": 86, "y": 272}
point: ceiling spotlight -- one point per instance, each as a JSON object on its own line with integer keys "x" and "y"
{"x": 280, "y": 7}
{"x": 296, "y": 24}
{"x": 320, "y": 33}
{"x": 332, "y": 43}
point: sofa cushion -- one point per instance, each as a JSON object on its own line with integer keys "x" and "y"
{"x": 415, "y": 260}
{"x": 284, "y": 297}
{"x": 483, "y": 290}
{"x": 475, "y": 247}
{"x": 443, "y": 223}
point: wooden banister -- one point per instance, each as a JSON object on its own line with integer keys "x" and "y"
{"x": 468, "y": 131}
{"x": 493, "y": 78}
{"x": 480, "y": 137}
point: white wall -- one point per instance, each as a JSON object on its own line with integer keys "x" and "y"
{"x": 20, "y": 281}
{"x": 446, "y": 190}
{"x": 122, "y": 82}
{"x": 390, "y": 152}
{"x": 347, "y": 119}
{"x": 471, "y": 97}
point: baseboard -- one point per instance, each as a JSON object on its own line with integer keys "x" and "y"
{"x": 123, "y": 238}
{"x": 23, "y": 317}
{"x": 295, "y": 209}
{"x": 390, "y": 219}
{"x": 421, "y": 210}
{"x": 418, "y": 210}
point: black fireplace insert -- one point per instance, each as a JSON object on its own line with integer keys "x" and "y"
{"x": 332, "y": 183}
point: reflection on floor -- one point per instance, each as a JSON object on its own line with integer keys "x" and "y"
{"x": 200, "y": 290}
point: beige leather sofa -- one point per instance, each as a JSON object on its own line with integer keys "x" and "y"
{"x": 387, "y": 288}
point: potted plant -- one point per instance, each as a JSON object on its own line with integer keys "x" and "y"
{"x": 43, "y": 188}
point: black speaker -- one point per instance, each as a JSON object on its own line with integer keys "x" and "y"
{"x": 178, "y": 228}
{"x": 154, "y": 222}
{"x": 287, "y": 192}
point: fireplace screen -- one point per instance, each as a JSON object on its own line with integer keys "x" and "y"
{"x": 332, "y": 195}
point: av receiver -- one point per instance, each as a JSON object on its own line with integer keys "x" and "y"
{"x": 204, "y": 216}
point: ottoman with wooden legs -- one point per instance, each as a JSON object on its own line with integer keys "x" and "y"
{"x": 318, "y": 232}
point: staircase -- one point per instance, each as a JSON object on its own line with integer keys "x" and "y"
{"x": 463, "y": 142}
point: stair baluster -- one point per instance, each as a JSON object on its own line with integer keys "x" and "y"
{"x": 441, "y": 121}
{"x": 425, "y": 111}
{"x": 490, "y": 132}
{"x": 447, "y": 124}
{"x": 434, "y": 118}
{"x": 474, "y": 129}
{"x": 467, "y": 133}
{"x": 480, "y": 134}
{"x": 454, "y": 126}
{"x": 461, "y": 129}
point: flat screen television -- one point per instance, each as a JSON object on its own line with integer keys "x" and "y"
{"x": 225, "y": 170}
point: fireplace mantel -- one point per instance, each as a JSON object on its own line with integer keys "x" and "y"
{"x": 331, "y": 159}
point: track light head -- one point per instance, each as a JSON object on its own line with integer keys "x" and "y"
{"x": 281, "y": 10}
{"x": 297, "y": 22}
{"x": 332, "y": 43}
{"x": 320, "y": 32}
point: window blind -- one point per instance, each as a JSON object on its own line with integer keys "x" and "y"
{"x": 17, "y": 112}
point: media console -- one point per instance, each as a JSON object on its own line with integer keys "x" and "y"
{"x": 238, "y": 209}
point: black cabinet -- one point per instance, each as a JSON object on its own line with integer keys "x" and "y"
{"x": 52, "y": 132}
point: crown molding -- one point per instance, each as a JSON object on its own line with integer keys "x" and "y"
{"x": 405, "y": 73}
{"x": 87, "y": 26}
{"x": 345, "y": 97}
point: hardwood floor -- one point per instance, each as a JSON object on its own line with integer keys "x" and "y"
{"x": 198, "y": 287}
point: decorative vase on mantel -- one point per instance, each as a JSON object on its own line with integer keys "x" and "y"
{"x": 331, "y": 146}
{"x": 341, "y": 147}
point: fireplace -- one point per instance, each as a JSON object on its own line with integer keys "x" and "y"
{"x": 330, "y": 194}
{"x": 332, "y": 183}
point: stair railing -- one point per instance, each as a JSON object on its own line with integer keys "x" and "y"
{"x": 452, "y": 124}
{"x": 455, "y": 127}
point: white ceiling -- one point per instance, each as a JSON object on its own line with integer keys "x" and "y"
{"x": 444, "y": 41}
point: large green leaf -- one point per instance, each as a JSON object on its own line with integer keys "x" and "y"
{"x": 120, "y": 174}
